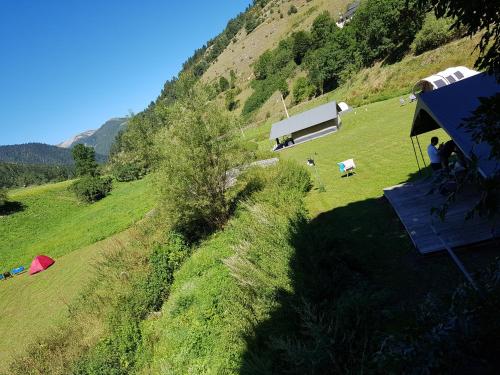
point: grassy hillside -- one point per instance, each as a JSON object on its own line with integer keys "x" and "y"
{"x": 273, "y": 293}
{"x": 240, "y": 55}
{"x": 381, "y": 81}
{"x": 230, "y": 283}
{"x": 51, "y": 221}
{"x": 32, "y": 306}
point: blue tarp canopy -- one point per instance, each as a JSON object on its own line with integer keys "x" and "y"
{"x": 449, "y": 106}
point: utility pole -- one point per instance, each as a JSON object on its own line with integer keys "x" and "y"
{"x": 284, "y": 105}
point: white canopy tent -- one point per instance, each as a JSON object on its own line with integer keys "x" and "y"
{"x": 444, "y": 78}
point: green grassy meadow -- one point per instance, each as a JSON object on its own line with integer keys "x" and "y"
{"x": 52, "y": 221}
{"x": 33, "y": 305}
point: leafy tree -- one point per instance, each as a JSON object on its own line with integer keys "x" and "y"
{"x": 263, "y": 65}
{"x": 197, "y": 149}
{"x": 251, "y": 23}
{"x": 301, "y": 43}
{"x": 386, "y": 28}
{"x": 223, "y": 84}
{"x": 303, "y": 89}
{"x": 84, "y": 160}
{"x": 292, "y": 10}
{"x": 322, "y": 29}
{"x": 433, "y": 34}
{"x": 474, "y": 16}
{"x": 231, "y": 102}
{"x": 232, "y": 78}
{"x": 283, "y": 87}
{"x": 200, "y": 68}
{"x": 327, "y": 64}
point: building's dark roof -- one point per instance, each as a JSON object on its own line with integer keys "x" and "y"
{"x": 304, "y": 120}
{"x": 449, "y": 106}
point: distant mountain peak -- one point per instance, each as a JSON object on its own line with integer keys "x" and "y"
{"x": 100, "y": 139}
{"x": 67, "y": 143}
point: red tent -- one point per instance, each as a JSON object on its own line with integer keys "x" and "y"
{"x": 40, "y": 263}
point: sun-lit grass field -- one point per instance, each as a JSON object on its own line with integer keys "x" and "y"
{"x": 33, "y": 305}
{"x": 49, "y": 220}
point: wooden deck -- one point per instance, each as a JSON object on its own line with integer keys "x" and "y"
{"x": 413, "y": 203}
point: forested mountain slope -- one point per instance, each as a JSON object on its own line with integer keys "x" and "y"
{"x": 101, "y": 139}
{"x": 38, "y": 153}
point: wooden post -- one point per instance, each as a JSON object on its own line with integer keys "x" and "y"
{"x": 284, "y": 105}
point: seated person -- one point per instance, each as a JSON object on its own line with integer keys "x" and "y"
{"x": 433, "y": 153}
{"x": 445, "y": 152}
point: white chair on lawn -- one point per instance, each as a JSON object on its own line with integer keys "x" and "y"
{"x": 347, "y": 167}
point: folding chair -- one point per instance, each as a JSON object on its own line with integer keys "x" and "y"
{"x": 347, "y": 167}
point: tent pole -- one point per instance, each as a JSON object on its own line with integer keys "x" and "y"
{"x": 457, "y": 261}
{"x": 415, "y": 153}
{"x": 421, "y": 153}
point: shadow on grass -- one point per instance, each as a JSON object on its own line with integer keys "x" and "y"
{"x": 356, "y": 278}
{"x": 11, "y": 207}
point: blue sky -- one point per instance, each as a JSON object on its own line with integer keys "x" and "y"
{"x": 69, "y": 65}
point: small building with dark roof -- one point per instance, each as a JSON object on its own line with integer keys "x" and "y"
{"x": 308, "y": 125}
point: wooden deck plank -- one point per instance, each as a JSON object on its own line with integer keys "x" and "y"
{"x": 413, "y": 203}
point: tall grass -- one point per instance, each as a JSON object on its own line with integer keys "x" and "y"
{"x": 231, "y": 282}
{"x": 102, "y": 334}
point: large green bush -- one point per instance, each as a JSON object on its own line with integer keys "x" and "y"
{"x": 291, "y": 175}
{"x": 91, "y": 189}
{"x": 433, "y": 34}
{"x": 127, "y": 172}
{"x": 303, "y": 89}
{"x": 119, "y": 351}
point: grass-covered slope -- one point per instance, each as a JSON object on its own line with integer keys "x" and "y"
{"x": 381, "y": 81}
{"x": 49, "y": 220}
{"x": 230, "y": 283}
{"x": 32, "y": 306}
{"x": 275, "y": 293}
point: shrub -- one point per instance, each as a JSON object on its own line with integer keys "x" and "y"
{"x": 164, "y": 260}
{"x": 291, "y": 175}
{"x": 223, "y": 84}
{"x": 127, "y": 172}
{"x": 292, "y": 10}
{"x": 91, "y": 189}
{"x": 303, "y": 89}
{"x": 433, "y": 34}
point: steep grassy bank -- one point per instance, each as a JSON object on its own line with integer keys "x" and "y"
{"x": 49, "y": 220}
{"x": 231, "y": 282}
